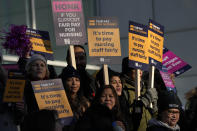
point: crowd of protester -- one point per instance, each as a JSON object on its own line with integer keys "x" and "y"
{"x": 95, "y": 105}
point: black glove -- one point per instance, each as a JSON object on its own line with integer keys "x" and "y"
{"x": 137, "y": 114}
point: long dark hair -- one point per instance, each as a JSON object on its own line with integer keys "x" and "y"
{"x": 116, "y": 108}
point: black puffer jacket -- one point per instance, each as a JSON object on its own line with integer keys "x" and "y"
{"x": 96, "y": 118}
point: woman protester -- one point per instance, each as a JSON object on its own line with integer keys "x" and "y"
{"x": 71, "y": 81}
{"x": 115, "y": 81}
{"x": 36, "y": 69}
{"x": 104, "y": 113}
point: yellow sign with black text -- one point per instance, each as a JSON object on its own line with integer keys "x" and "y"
{"x": 155, "y": 43}
{"x": 41, "y": 45}
{"x": 54, "y": 100}
{"x": 138, "y": 48}
{"x": 14, "y": 90}
{"x": 104, "y": 42}
{"x": 51, "y": 95}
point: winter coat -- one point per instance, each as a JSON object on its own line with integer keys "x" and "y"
{"x": 129, "y": 91}
{"x": 30, "y": 99}
{"x": 156, "y": 125}
{"x": 124, "y": 108}
{"x": 96, "y": 118}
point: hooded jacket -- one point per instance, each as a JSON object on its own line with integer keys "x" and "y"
{"x": 129, "y": 91}
{"x": 156, "y": 125}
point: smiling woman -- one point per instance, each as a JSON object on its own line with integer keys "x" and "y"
{"x": 71, "y": 81}
{"x": 104, "y": 113}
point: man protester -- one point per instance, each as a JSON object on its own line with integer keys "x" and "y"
{"x": 139, "y": 109}
{"x": 88, "y": 87}
{"x": 169, "y": 107}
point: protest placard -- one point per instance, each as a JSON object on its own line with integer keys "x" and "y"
{"x": 104, "y": 40}
{"x": 15, "y": 85}
{"x": 155, "y": 43}
{"x": 14, "y": 90}
{"x": 173, "y": 63}
{"x": 138, "y": 55}
{"x": 68, "y": 22}
{"x": 50, "y": 94}
{"x": 40, "y": 42}
{"x": 167, "y": 79}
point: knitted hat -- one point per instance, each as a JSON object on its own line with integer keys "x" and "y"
{"x": 35, "y": 57}
{"x": 168, "y": 100}
{"x": 68, "y": 72}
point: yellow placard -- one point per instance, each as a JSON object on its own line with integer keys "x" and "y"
{"x": 104, "y": 42}
{"x": 14, "y": 90}
{"x": 138, "y": 48}
{"x": 41, "y": 45}
{"x": 155, "y": 48}
{"x": 54, "y": 100}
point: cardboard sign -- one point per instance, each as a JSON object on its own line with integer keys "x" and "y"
{"x": 50, "y": 94}
{"x": 14, "y": 90}
{"x": 104, "y": 40}
{"x": 167, "y": 79}
{"x": 173, "y": 63}
{"x": 40, "y": 42}
{"x": 138, "y": 56}
{"x": 68, "y": 22}
{"x": 155, "y": 43}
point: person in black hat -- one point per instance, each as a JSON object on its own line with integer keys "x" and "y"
{"x": 139, "y": 109}
{"x": 169, "y": 107}
{"x": 88, "y": 86}
{"x": 71, "y": 81}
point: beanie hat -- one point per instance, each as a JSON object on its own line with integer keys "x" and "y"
{"x": 168, "y": 100}
{"x": 68, "y": 72}
{"x": 35, "y": 57}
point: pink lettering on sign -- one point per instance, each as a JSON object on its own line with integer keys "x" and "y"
{"x": 67, "y": 6}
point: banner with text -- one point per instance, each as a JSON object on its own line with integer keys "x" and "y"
{"x": 68, "y": 22}
{"x": 173, "y": 63}
{"x": 138, "y": 56}
{"x": 155, "y": 43}
{"x": 40, "y": 42}
{"x": 104, "y": 40}
{"x": 50, "y": 94}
